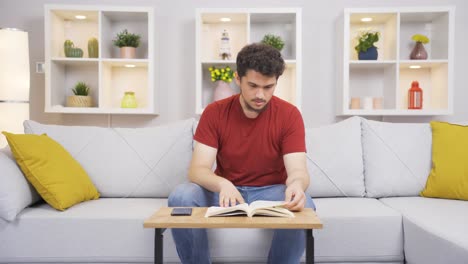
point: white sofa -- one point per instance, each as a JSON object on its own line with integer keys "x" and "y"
{"x": 365, "y": 180}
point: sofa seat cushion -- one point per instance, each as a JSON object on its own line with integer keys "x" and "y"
{"x": 111, "y": 230}
{"x": 104, "y": 230}
{"x": 358, "y": 230}
{"x": 435, "y": 229}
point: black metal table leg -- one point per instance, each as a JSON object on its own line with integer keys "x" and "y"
{"x": 309, "y": 247}
{"x": 158, "y": 246}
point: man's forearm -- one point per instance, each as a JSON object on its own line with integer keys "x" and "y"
{"x": 207, "y": 179}
{"x": 296, "y": 168}
{"x": 298, "y": 177}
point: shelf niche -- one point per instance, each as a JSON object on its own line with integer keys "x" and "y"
{"x": 390, "y": 76}
{"x": 108, "y": 76}
{"x": 247, "y": 26}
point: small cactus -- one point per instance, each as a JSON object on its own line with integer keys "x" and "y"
{"x": 93, "y": 48}
{"x": 71, "y": 50}
{"x": 67, "y": 46}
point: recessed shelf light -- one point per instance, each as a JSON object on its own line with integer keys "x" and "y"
{"x": 81, "y": 17}
{"x": 366, "y": 19}
{"x": 225, "y": 19}
{"x": 415, "y": 66}
{"x": 130, "y": 65}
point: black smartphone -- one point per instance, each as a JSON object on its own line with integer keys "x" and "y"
{"x": 176, "y": 211}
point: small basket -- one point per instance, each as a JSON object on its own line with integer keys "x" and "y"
{"x": 79, "y": 101}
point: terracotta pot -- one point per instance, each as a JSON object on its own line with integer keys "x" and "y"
{"x": 377, "y": 103}
{"x": 127, "y": 52}
{"x": 355, "y": 103}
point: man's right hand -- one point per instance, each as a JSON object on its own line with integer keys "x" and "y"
{"x": 229, "y": 195}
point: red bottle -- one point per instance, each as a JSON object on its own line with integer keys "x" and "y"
{"x": 415, "y": 96}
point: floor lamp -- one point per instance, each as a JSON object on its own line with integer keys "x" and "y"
{"x": 14, "y": 81}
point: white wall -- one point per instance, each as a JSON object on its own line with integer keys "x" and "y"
{"x": 175, "y": 57}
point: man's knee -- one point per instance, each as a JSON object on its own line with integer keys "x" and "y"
{"x": 185, "y": 195}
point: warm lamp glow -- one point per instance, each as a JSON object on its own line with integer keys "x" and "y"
{"x": 130, "y": 65}
{"x": 80, "y": 17}
{"x": 14, "y": 81}
{"x": 415, "y": 66}
{"x": 225, "y": 19}
{"x": 366, "y": 19}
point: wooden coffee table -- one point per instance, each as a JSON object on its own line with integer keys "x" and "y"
{"x": 162, "y": 219}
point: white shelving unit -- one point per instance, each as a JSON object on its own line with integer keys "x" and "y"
{"x": 108, "y": 76}
{"x": 390, "y": 76}
{"x": 247, "y": 26}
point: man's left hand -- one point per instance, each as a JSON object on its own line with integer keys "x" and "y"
{"x": 295, "y": 197}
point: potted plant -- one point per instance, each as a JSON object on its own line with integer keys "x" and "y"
{"x": 419, "y": 52}
{"x": 81, "y": 96}
{"x": 127, "y": 42}
{"x": 274, "y": 41}
{"x": 222, "y": 77}
{"x": 365, "y": 47}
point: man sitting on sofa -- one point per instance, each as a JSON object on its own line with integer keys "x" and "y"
{"x": 258, "y": 142}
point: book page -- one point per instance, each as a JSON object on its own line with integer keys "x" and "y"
{"x": 240, "y": 209}
{"x": 274, "y": 211}
{"x": 270, "y": 208}
{"x": 266, "y": 204}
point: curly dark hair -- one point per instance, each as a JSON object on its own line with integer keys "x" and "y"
{"x": 260, "y": 58}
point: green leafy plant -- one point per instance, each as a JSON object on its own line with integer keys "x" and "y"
{"x": 420, "y": 38}
{"x": 366, "y": 39}
{"x": 224, "y": 74}
{"x": 274, "y": 41}
{"x": 81, "y": 89}
{"x": 125, "y": 39}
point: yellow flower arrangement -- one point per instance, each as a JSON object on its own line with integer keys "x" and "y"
{"x": 221, "y": 74}
{"x": 420, "y": 38}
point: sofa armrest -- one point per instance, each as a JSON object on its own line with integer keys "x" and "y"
{"x": 15, "y": 191}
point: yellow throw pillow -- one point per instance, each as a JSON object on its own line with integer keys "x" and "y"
{"x": 449, "y": 173}
{"x": 55, "y": 174}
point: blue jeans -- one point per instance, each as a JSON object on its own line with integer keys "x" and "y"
{"x": 287, "y": 246}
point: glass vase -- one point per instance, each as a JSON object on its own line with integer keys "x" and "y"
{"x": 419, "y": 52}
{"x": 222, "y": 90}
{"x": 129, "y": 100}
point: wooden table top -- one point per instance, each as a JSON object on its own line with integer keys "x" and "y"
{"x": 306, "y": 219}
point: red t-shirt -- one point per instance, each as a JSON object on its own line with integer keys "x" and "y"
{"x": 250, "y": 151}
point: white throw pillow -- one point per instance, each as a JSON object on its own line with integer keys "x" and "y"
{"x": 128, "y": 162}
{"x": 15, "y": 191}
{"x": 334, "y": 160}
{"x": 397, "y": 157}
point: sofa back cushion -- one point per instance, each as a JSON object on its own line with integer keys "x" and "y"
{"x": 397, "y": 157}
{"x": 334, "y": 159}
{"x": 127, "y": 162}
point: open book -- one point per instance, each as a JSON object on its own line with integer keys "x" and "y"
{"x": 264, "y": 208}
